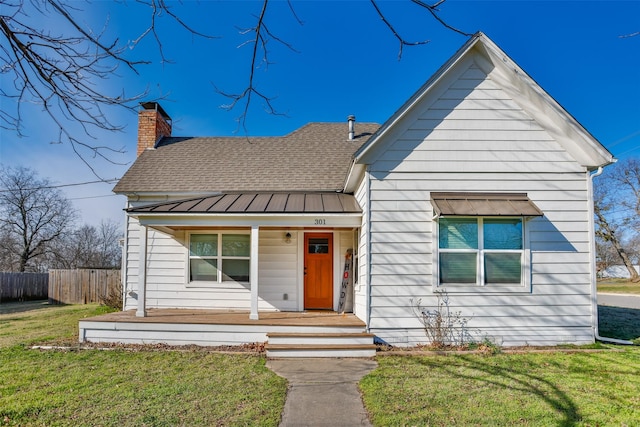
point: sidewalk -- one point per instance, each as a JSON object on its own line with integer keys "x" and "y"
{"x": 323, "y": 392}
{"x": 619, "y": 300}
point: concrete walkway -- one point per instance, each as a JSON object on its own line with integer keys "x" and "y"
{"x": 323, "y": 392}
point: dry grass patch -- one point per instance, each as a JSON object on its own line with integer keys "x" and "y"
{"x": 618, "y": 286}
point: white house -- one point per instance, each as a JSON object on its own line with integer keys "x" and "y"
{"x": 479, "y": 185}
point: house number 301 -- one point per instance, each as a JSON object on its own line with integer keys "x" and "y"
{"x": 320, "y": 221}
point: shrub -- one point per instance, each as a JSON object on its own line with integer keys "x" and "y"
{"x": 442, "y": 326}
{"x": 113, "y": 298}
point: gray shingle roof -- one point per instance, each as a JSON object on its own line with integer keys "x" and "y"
{"x": 315, "y": 157}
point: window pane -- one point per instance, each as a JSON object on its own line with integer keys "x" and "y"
{"x": 236, "y": 245}
{"x": 458, "y": 233}
{"x": 235, "y": 270}
{"x": 502, "y": 268}
{"x": 502, "y": 233}
{"x": 204, "y": 245}
{"x": 318, "y": 246}
{"x": 457, "y": 267}
{"x": 204, "y": 270}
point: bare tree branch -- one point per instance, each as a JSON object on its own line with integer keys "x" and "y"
{"x": 293, "y": 12}
{"x": 401, "y": 40}
{"x": 259, "y": 41}
{"x": 158, "y": 8}
{"x": 433, "y": 10}
{"x": 61, "y": 71}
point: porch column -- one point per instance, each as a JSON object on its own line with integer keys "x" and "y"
{"x": 253, "y": 273}
{"x": 142, "y": 274}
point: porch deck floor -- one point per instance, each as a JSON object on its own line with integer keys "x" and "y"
{"x": 225, "y": 317}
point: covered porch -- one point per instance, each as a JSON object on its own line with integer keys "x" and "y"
{"x": 287, "y": 334}
{"x": 272, "y": 263}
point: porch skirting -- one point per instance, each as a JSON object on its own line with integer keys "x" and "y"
{"x": 210, "y": 327}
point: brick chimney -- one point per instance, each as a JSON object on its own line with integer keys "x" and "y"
{"x": 153, "y": 124}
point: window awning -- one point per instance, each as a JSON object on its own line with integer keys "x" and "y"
{"x": 257, "y": 203}
{"x": 484, "y": 204}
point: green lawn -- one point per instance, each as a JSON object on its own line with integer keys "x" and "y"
{"x": 124, "y": 388}
{"x": 618, "y": 286}
{"x": 550, "y": 389}
{"x": 619, "y": 322}
{"x": 194, "y": 387}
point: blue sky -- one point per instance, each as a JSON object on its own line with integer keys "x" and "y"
{"x": 345, "y": 63}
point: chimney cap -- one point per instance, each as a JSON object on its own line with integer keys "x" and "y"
{"x": 351, "y": 117}
{"x": 152, "y": 105}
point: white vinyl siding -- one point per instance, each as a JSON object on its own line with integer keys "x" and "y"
{"x": 279, "y": 272}
{"x": 361, "y": 289}
{"x": 474, "y": 137}
{"x": 167, "y": 273}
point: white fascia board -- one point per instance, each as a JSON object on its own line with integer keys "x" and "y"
{"x": 356, "y": 172}
{"x": 246, "y": 220}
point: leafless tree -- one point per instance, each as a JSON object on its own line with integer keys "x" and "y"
{"x": 625, "y": 176}
{"x": 8, "y": 257}
{"x": 109, "y": 248}
{"x": 633, "y": 246}
{"x": 88, "y": 247}
{"x": 33, "y": 214}
{"x": 62, "y": 69}
{"x": 617, "y": 210}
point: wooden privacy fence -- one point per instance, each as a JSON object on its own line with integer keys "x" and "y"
{"x": 23, "y": 286}
{"x": 82, "y": 286}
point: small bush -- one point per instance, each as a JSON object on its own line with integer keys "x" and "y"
{"x": 441, "y": 326}
{"x": 113, "y": 298}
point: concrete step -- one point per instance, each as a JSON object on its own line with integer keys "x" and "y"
{"x": 280, "y": 345}
{"x": 319, "y": 338}
{"x": 275, "y": 351}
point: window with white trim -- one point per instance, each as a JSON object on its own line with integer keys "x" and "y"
{"x": 481, "y": 251}
{"x": 219, "y": 257}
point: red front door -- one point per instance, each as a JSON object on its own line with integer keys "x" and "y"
{"x": 318, "y": 271}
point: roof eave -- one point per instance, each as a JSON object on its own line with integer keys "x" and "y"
{"x": 601, "y": 156}
{"x": 591, "y": 153}
{"x": 353, "y": 177}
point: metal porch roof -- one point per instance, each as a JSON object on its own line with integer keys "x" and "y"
{"x": 257, "y": 203}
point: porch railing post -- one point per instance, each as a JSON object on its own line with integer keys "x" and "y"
{"x": 142, "y": 274}
{"x": 253, "y": 274}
